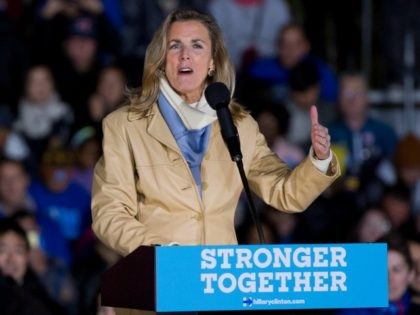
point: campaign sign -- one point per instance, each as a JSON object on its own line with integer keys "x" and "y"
{"x": 270, "y": 277}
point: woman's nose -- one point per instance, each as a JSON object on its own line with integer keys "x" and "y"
{"x": 185, "y": 55}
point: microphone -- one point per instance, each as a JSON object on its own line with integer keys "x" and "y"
{"x": 218, "y": 97}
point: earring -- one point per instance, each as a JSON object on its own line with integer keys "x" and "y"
{"x": 161, "y": 72}
{"x": 211, "y": 72}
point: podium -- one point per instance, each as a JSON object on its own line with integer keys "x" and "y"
{"x": 249, "y": 277}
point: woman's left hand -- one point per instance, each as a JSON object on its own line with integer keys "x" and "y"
{"x": 319, "y": 136}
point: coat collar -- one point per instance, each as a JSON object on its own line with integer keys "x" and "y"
{"x": 158, "y": 129}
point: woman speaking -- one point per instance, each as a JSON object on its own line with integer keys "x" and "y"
{"x": 166, "y": 175}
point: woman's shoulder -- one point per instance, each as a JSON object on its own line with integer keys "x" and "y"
{"x": 121, "y": 115}
{"x": 245, "y": 123}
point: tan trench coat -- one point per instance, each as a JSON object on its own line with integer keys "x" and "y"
{"x": 144, "y": 192}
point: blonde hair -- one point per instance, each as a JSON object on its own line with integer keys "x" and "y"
{"x": 154, "y": 63}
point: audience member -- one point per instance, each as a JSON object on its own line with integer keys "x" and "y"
{"x": 396, "y": 203}
{"x": 14, "y": 300}
{"x": 14, "y": 263}
{"x": 248, "y": 25}
{"x": 59, "y": 19}
{"x": 109, "y": 95}
{"x": 400, "y": 275}
{"x": 59, "y": 198}
{"x": 52, "y": 271}
{"x": 273, "y": 121}
{"x": 43, "y": 119}
{"x": 372, "y": 226}
{"x": 14, "y": 183}
{"x": 86, "y": 146}
{"x": 304, "y": 85}
{"x": 414, "y": 246}
{"x": 292, "y": 48}
{"x": 364, "y": 142}
{"x": 12, "y": 144}
{"x": 79, "y": 70}
{"x": 44, "y": 233}
{"x": 76, "y": 40}
{"x": 407, "y": 163}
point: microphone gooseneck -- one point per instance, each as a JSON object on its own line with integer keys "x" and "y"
{"x": 218, "y": 97}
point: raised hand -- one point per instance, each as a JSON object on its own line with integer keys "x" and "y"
{"x": 319, "y": 136}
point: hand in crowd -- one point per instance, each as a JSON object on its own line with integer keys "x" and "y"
{"x": 97, "y": 107}
{"x": 319, "y": 136}
{"x": 92, "y": 6}
{"x": 70, "y": 8}
{"x": 52, "y": 8}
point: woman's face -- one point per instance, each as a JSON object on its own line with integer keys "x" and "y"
{"x": 373, "y": 225}
{"x": 13, "y": 256}
{"x": 111, "y": 86}
{"x": 399, "y": 275}
{"x": 188, "y": 59}
{"x": 353, "y": 97}
{"x": 293, "y": 47}
{"x": 39, "y": 86}
{"x": 415, "y": 255}
{"x": 13, "y": 183}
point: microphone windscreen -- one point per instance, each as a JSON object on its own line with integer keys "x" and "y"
{"x": 217, "y": 95}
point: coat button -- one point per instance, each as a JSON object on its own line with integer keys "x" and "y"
{"x": 198, "y": 217}
{"x": 173, "y": 156}
{"x": 204, "y": 185}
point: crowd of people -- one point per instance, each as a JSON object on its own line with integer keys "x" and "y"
{"x": 65, "y": 65}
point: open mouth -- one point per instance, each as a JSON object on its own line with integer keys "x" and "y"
{"x": 185, "y": 70}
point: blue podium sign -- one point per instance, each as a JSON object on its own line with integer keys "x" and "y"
{"x": 269, "y": 277}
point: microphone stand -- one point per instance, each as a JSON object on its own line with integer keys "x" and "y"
{"x": 218, "y": 96}
{"x": 238, "y": 159}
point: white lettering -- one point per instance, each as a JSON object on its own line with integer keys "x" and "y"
{"x": 230, "y": 286}
{"x": 225, "y": 253}
{"x": 319, "y": 277}
{"x": 283, "y": 256}
{"x": 337, "y": 255}
{"x": 208, "y": 261}
{"x": 208, "y": 278}
{"x": 283, "y": 277}
{"x": 246, "y": 282}
{"x": 305, "y": 258}
{"x": 243, "y": 256}
{"x": 264, "y": 262}
{"x": 299, "y": 281}
{"x": 338, "y": 279}
{"x": 319, "y": 260}
{"x": 265, "y": 285}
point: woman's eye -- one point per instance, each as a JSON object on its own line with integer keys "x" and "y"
{"x": 173, "y": 45}
{"x": 197, "y": 46}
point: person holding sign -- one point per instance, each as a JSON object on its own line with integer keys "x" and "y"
{"x": 166, "y": 175}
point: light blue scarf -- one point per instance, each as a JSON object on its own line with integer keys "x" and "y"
{"x": 192, "y": 143}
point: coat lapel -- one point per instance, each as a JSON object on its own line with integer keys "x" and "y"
{"x": 159, "y": 130}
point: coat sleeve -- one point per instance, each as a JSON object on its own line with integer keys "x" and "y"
{"x": 115, "y": 212}
{"x": 279, "y": 186}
